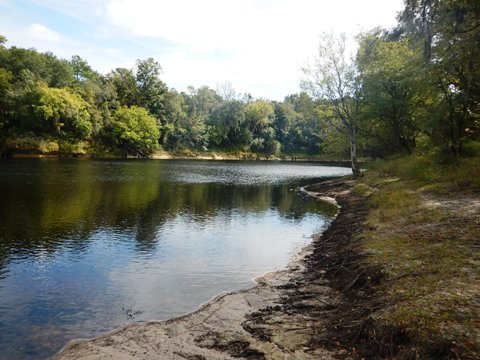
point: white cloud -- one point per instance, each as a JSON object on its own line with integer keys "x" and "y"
{"x": 44, "y": 39}
{"x": 42, "y": 33}
{"x": 211, "y": 24}
{"x": 258, "y": 45}
{"x": 266, "y": 42}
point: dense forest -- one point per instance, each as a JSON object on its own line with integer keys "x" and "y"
{"x": 414, "y": 88}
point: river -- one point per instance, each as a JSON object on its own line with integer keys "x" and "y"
{"x": 88, "y": 245}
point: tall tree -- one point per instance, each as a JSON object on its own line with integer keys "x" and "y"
{"x": 150, "y": 88}
{"x": 390, "y": 72}
{"x": 449, "y": 33}
{"x": 82, "y": 70}
{"x": 331, "y": 77}
{"x": 125, "y": 85}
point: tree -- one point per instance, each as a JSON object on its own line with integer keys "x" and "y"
{"x": 390, "y": 73}
{"x": 226, "y": 91}
{"x": 135, "y": 131}
{"x": 260, "y": 116}
{"x": 181, "y": 130}
{"x": 5, "y": 91}
{"x": 332, "y": 77}
{"x": 125, "y": 85}
{"x": 58, "y": 72}
{"x": 306, "y": 133}
{"x": 176, "y": 112}
{"x": 82, "y": 70}
{"x": 227, "y": 125}
{"x": 151, "y": 90}
{"x": 448, "y": 33}
{"x": 45, "y": 67}
{"x": 61, "y": 112}
{"x": 202, "y": 101}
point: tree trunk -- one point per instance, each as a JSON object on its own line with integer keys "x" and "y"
{"x": 353, "y": 150}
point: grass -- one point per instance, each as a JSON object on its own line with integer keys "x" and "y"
{"x": 423, "y": 235}
{"x": 428, "y": 170}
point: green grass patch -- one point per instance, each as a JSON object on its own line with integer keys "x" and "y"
{"x": 435, "y": 174}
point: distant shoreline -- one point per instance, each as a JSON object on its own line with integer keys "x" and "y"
{"x": 220, "y": 156}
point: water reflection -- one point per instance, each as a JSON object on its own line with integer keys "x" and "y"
{"x": 80, "y": 240}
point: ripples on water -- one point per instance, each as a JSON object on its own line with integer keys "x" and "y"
{"x": 82, "y": 241}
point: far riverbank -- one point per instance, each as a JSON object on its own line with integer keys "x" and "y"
{"x": 212, "y": 156}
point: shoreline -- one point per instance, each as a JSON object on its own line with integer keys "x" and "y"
{"x": 262, "y": 322}
{"x": 212, "y": 156}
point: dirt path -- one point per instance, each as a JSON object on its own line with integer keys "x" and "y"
{"x": 298, "y": 313}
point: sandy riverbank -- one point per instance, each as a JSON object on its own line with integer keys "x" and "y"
{"x": 287, "y": 315}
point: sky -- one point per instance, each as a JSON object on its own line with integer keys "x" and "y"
{"x": 259, "y": 46}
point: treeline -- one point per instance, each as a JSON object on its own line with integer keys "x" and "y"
{"x": 69, "y": 104}
{"x": 412, "y": 88}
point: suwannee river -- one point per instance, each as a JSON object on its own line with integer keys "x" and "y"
{"x": 88, "y": 245}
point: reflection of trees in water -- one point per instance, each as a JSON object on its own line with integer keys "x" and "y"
{"x": 61, "y": 203}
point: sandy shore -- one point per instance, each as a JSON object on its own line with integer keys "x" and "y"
{"x": 285, "y": 316}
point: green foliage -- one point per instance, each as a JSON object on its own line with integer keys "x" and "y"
{"x": 307, "y": 129}
{"x": 151, "y": 89}
{"x": 6, "y": 78}
{"x": 61, "y": 112}
{"x": 447, "y": 33}
{"x": 227, "y": 125}
{"x": 135, "y": 130}
{"x": 176, "y": 113}
{"x": 124, "y": 84}
{"x": 202, "y": 101}
{"x": 182, "y": 130}
{"x": 41, "y": 95}
{"x": 392, "y": 93}
{"x": 260, "y": 116}
{"x": 81, "y": 69}
{"x": 44, "y": 67}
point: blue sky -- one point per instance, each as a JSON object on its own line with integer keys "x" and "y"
{"x": 259, "y": 46}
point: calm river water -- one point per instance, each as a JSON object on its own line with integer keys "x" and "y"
{"x": 88, "y": 245}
